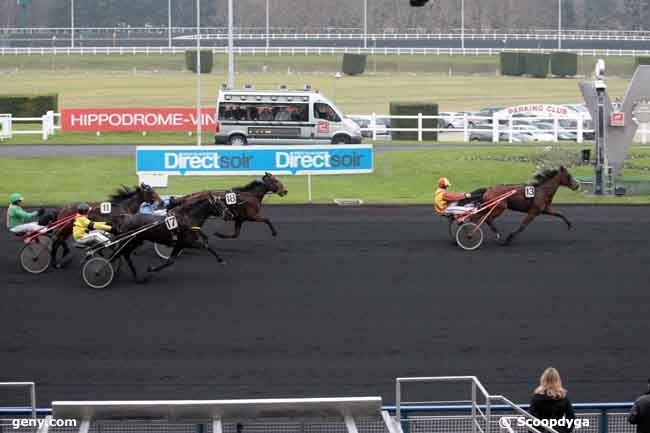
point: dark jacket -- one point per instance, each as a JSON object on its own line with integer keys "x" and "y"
{"x": 545, "y": 407}
{"x": 640, "y": 414}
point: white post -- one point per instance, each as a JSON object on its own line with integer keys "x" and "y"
{"x": 309, "y": 187}
{"x": 559, "y": 24}
{"x": 169, "y": 22}
{"x": 373, "y": 125}
{"x": 579, "y": 132}
{"x": 556, "y": 127}
{"x": 231, "y": 54}
{"x": 268, "y": 23}
{"x": 72, "y": 23}
{"x": 462, "y": 24}
{"x": 495, "y": 128}
{"x": 365, "y": 23}
{"x": 419, "y": 126}
{"x": 199, "y": 121}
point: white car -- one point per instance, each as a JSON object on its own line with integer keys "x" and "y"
{"x": 452, "y": 120}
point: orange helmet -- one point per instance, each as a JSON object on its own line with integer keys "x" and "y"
{"x": 443, "y": 182}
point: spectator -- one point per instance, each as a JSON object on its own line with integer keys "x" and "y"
{"x": 550, "y": 399}
{"x": 640, "y": 413}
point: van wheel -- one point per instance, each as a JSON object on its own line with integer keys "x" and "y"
{"x": 237, "y": 140}
{"x": 341, "y": 139}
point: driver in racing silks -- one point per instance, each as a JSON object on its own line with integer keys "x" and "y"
{"x": 88, "y": 232}
{"x": 445, "y": 202}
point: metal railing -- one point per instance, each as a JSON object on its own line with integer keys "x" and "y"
{"x": 32, "y": 395}
{"x": 481, "y": 415}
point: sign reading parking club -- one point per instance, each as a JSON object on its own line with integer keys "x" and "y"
{"x": 161, "y": 161}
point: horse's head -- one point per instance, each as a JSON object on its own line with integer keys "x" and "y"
{"x": 147, "y": 194}
{"x": 274, "y": 184}
{"x": 567, "y": 180}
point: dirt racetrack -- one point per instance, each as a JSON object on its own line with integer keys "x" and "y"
{"x": 342, "y": 302}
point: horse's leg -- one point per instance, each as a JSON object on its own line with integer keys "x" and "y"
{"x": 207, "y": 246}
{"x": 170, "y": 261}
{"x": 238, "y": 224}
{"x": 126, "y": 253}
{"x": 495, "y": 230}
{"x": 522, "y": 226}
{"x": 550, "y": 211}
{"x": 268, "y": 222}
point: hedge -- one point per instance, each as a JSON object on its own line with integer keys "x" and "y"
{"x": 28, "y": 105}
{"x": 642, "y": 61}
{"x": 410, "y": 109}
{"x": 353, "y": 64}
{"x": 207, "y": 61}
{"x": 564, "y": 64}
{"x": 510, "y": 64}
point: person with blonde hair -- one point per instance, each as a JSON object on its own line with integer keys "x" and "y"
{"x": 550, "y": 399}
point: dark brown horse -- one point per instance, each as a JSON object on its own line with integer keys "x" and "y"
{"x": 249, "y": 204}
{"x": 190, "y": 215}
{"x": 124, "y": 201}
{"x": 543, "y": 190}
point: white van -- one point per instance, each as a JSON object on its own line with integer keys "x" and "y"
{"x": 281, "y": 117}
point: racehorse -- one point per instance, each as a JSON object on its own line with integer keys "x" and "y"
{"x": 249, "y": 204}
{"x": 545, "y": 186}
{"x": 124, "y": 201}
{"x": 190, "y": 215}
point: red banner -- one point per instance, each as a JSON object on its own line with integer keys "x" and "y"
{"x": 135, "y": 119}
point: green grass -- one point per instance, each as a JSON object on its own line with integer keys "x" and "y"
{"x": 399, "y": 178}
{"x": 354, "y": 95}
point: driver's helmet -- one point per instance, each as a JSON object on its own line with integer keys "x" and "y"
{"x": 443, "y": 182}
{"x": 15, "y": 198}
{"x": 83, "y": 208}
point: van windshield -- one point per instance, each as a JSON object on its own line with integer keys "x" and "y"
{"x": 325, "y": 112}
{"x": 250, "y": 111}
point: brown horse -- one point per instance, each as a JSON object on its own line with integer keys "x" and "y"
{"x": 544, "y": 188}
{"x": 125, "y": 201}
{"x": 249, "y": 204}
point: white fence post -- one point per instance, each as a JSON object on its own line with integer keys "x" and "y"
{"x": 419, "y": 126}
{"x": 5, "y": 126}
{"x": 556, "y": 127}
{"x": 580, "y": 132}
{"x": 373, "y": 125}
{"x": 510, "y": 129}
{"x": 495, "y": 128}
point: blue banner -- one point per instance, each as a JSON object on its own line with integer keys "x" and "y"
{"x": 247, "y": 160}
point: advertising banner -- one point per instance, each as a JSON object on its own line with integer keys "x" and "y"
{"x": 252, "y": 160}
{"x": 135, "y": 119}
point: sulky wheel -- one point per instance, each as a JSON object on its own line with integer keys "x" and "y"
{"x": 115, "y": 263}
{"x": 469, "y": 236}
{"x": 97, "y": 273}
{"x": 35, "y": 257}
{"x": 164, "y": 251}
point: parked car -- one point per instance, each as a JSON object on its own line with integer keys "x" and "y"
{"x": 484, "y": 133}
{"x": 452, "y": 120}
{"x": 381, "y": 127}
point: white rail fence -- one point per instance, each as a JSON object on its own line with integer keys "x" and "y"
{"x": 296, "y": 51}
{"x": 49, "y": 123}
{"x": 466, "y": 127}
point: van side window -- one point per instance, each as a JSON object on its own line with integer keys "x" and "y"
{"x": 325, "y": 112}
{"x": 259, "y": 111}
